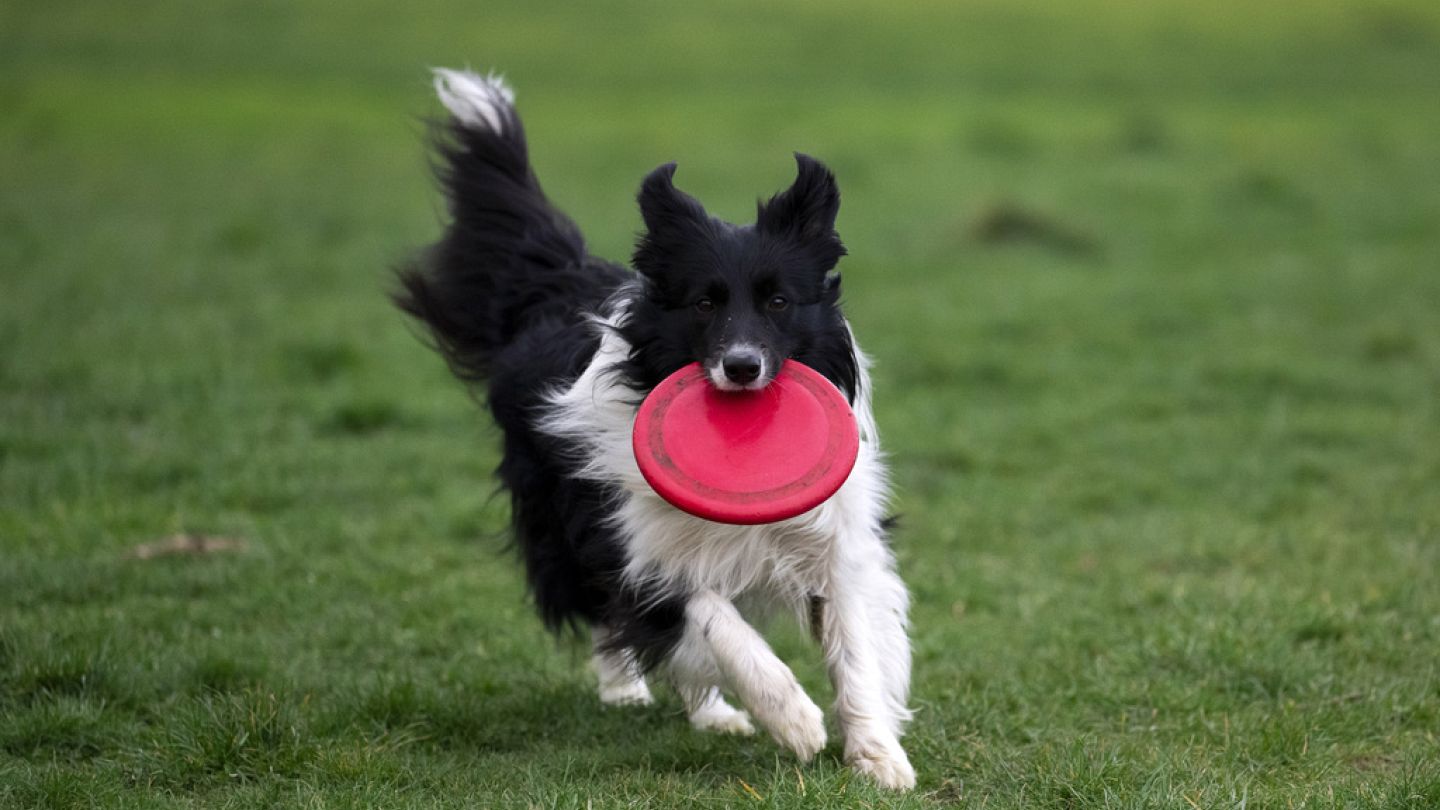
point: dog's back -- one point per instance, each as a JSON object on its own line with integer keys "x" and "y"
{"x": 505, "y": 293}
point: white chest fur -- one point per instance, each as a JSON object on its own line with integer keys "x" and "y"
{"x": 671, "y": 550}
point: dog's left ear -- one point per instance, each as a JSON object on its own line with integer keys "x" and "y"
{"x": 806, "y": 210}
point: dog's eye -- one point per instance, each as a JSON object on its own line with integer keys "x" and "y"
{"x": 704, "y": 305}
{"x": 778, "y": 303}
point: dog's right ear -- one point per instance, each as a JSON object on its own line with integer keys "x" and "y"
{"x": 672, "y": 219}
{"x": 665, "y": 207}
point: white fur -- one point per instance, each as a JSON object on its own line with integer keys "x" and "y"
{"x": 834, "y": 552}
{"x": 621, "y": 681}
{"x": 862, "y": 628}
{"x": 709, "y": 712}
{"x": 474, "y": 100}
{"x": 715, "y": 630}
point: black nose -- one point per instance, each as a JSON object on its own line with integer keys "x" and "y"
{"x": 742, "y": 365}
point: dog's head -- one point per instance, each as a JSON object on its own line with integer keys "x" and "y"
{"x": 741, "y": 299}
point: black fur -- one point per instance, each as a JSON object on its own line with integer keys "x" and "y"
{"x": 686, "y": 256}
{"x": 506, "y": 293}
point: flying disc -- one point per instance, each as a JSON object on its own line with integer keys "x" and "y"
{"x": 746, "y": 457}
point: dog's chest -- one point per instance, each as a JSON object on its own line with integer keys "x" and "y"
{"x": 665, "y": 544}
{"x": 666, "y": 547}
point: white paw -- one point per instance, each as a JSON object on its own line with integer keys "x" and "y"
{"x": 888, "y": 768}
{"x": 722, "y": 719}
{"x": 626, "y": 693}
{"x": 795, "y": 722}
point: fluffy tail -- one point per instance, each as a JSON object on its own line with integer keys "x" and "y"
{"x": 508, "y": 259}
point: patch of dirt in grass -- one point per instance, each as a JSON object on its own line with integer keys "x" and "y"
{"x": 1009, "y": 223}
{"x": 185, "y": 544}
{"x": 362, "y": 418}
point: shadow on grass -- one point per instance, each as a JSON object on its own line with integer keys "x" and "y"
{"x": 508, "y": 718}
{"x": 564, "y": 722}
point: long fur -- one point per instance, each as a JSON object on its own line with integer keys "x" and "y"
{"x": 565, "y": 345}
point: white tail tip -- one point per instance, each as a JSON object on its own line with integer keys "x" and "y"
{"x": 474, "y": 100}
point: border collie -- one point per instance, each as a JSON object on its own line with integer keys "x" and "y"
{"x": 565, "y": 345}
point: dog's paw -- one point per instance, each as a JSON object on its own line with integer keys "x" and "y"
{"x": 626, "y": 693}
{"x": 796, "y": 723}
{"x": 887, "y": 767}
{"x": 721, "y": 718}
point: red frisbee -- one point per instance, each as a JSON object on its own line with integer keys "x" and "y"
{"x": 746, "y": 457}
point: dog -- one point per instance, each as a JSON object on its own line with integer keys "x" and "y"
{"x": 565, "y": 345}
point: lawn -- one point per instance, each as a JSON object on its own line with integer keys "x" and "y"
{"x": 1152, "y": 292}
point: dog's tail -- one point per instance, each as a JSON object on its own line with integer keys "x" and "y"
{"x": 508, "y": 259}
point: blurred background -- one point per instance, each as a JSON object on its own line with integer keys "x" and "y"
{"x": 1151, "y": 289}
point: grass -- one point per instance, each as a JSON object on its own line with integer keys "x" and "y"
{"x": 1152, "y": 292}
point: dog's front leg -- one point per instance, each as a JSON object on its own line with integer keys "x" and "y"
{"x": 758, "y": 677}
{"x": 867, "y": 649}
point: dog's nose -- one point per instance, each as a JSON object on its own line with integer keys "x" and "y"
{"x": 742, "y": 366}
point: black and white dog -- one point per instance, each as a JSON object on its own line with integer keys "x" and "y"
{"x": 567, "y": 344}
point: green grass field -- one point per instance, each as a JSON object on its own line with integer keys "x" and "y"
{"x": 1154, "y": 293}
